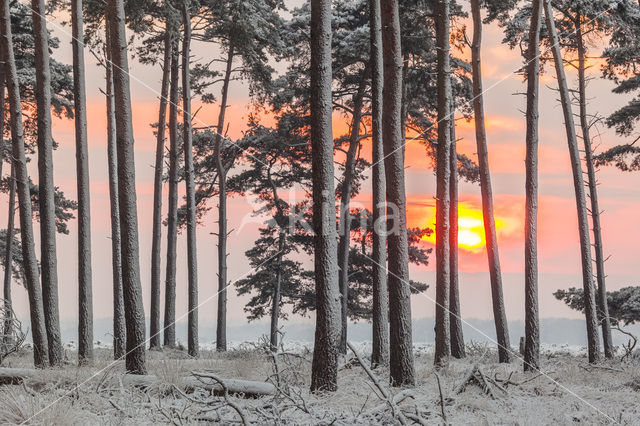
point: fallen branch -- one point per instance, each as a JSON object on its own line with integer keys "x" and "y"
{"x": 209, "y": 376}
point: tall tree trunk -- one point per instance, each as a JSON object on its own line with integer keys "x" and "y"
{"x": 401, "y": 361}
{"x": 8, "y": 254}
{"x": 603, "y": 305}
{"x": 119, "y": 328}
{"x": 345, "y": 205}
{"x": 85, "y": 293}
{"x": 192, "y": 260}
{"x": 2, "y": 111}
{"x": 380, "y": 344}
{"x": 532, "y": 321}
{"x": 31, "y": 270}
{"x": 593, "y": 340}
{"x": 133, "y": 307}
{"x": 221, "y": 329}
{"x": 156, "y": 239}
{"x": 47, "y": 207}
{"x": 275, "y": 302}
{"x": 443, "y": 173}
{"x": 172, "y": 215}
{"x": 324, "y": 369}
{"x": 455, "y": 319}
{"x": 499, "y": 314}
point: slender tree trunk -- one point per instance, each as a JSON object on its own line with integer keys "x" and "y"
{"x": 275, "y": 307}
{"x": 8, "y": 254}
{"x": 172, "y": 219}
{"x": 443, "y": 199}
{"x": 532, "y": 321}
{"x": 85, "y": 293}
{"x": 2, "y": 111}
{"x": 32, "y": 273}
{"x": 119, "y": 328}
{"x": 455, "y": 319}
{"x": 499, "y": 314}
{"x": 593, "y": 340}
{"x": 324, "y": 369}
{"x": 47, "y": 206}
{"x": 401, "y": 360}
{"x": 156, "y": 239}
{"x": 380, "y": 346}
{"x": 603, "y": 305}
{"x": 192, "y": 260}
{"x": 133, "y": 307}
{"x": 221, "y": 329}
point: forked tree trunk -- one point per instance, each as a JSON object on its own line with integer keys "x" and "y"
{"x": 380, "y": 344}
{"x": 192, "y": 260}
{"x": 499, "y": 314}
{"x": 172, "y": 215}
{"x": 85, "y": 292}
{"x": 401, "y": 360}
{"x": 324, "y": 369}
{"x": 32, "y": 273}
{"x": 133, "y": 307}
{"x": 156, "y": 233}
{"x": 593, "y": 341}
{"x": 8, "y": 253}
{"x": 603, "y": 305}
{"x": 47, "y": 208}
{"x": 443, "y": 173}
{"x": 532, "y": 321}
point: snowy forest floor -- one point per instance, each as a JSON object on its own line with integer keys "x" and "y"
{"x": 568, "y": 392}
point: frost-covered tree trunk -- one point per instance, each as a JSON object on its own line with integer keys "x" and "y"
{"x": 380, "y": 339}
{"x": 275, "y": 302}
{"x": 593, "y": 340}
{"x": 443, "y": 173}
{"x": 31, "y": 270}
{"x": 499, "y": 314}
{"x": 133, "y": 307}
{"x": 401, "y": 343}
{"x": 324, "y": 369}
{"x": 8, "y": 253}
{"x": 192, "y": 260}
{"x": 156, "y": 233}
{"x": 172, "y": 215}
{"x": 532, "y": 320}
{"x": 603, "y": 306}
{"x": 85, "y": 293}
{"x": 47, "y": 208}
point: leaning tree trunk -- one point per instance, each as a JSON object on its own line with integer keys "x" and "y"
{"x": 119, "y": 331}
{"x": 8, "y": 254}
{"x": 47, "y": 207}
{"x": 455, "y": 319}
{"x": 603, "y": 305}
{"x": 221, "y": 326}
{"x": 133, "y": 307}
{"x": 593, "y": 340}
{"x": 156, "y": 238}
{"x": 85, "y": 293}
{"x": 324, "y": 369}
{"x": 443, "y": 153}
{"x": 192, "y": 260}
{"x": 380, "y": 344}
{"x": 401, "y": 361}
{"x": 499, "y": 314}
{"x": 31, "y": 271}
{"x": 532, "y": 320}
{"x": 172, "y": 215}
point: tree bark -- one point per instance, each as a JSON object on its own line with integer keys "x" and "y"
{"x": 133, "y": 307}
{"x": 324, "y": 370}
{"x": 593, "y": 340}
{"x": 85, "y": 293}
{"x": 532, "y": 321}
{"x": 499, "y": 314}
{"x": 401, "y": 360}
{"x": 156, "y": 238}
{"x": 47, "y": 206}
{"x": 380, "y": 344}
{"x": 32, "y": 273}
{"x": 275, "y": 302}
{"x": 192, "y": 260}
{"x": 172, "y": 218}
{"x": 603, "y": 305}
{"x": 8, "y": 254}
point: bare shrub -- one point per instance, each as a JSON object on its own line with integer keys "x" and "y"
{"x": 12, "y": 337}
